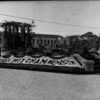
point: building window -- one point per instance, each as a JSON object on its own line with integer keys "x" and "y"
{"x": 38, "y": 42}
{"x": 0, "y": 40}
{"x": 41, "y": 41}
{"x": 33, "y": 41}
{"x": 0, "y": 34}
{"x": 45, "y": 42}
{"x": 54, "y": 41}
{"x": 48, "y": 42}
{"x": 51, "y": 42}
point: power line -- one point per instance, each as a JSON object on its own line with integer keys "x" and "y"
{"x": 50, "y": 22}
{"x": 16, "y": 16}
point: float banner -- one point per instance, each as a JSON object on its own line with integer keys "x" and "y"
{"x": 66, "y": 61}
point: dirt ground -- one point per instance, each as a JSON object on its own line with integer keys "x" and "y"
{"x": 35, "y": 85}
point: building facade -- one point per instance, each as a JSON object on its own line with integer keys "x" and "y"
{"x": 38, "y": 40}
{"x": 48, "y": 40}
{"x": 1, "y": 39}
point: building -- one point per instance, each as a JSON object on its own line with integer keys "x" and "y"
{"x": 88, "y": 36}
{"x": 48, "y": 40}
{"x": 1, "y": 39}
{"x": 17, "y": 34}
{"x": 42, "y": 39}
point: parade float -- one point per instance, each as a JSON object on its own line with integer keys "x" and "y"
{"x": 17, "y": 52}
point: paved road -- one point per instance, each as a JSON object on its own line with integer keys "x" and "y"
{"x": 34, "y": 85}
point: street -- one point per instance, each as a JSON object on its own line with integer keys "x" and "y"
{"x": 35, "y": 85}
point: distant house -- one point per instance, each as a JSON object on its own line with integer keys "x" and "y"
{"x": 91, "y": 38}
{"x": 88, "y": 36}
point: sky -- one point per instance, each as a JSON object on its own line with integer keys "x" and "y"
{"x": 79, "y": 13}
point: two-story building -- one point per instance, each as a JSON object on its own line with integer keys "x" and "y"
{"x": 41, "y": 40}
{"x": 48, "y": 40}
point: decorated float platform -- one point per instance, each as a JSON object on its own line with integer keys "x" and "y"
{"x": 18, "y": 51}
{"x": 73, "y": 63}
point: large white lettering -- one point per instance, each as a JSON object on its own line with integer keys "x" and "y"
{"x": 66, "y": 61}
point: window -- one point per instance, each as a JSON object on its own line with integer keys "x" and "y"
{"x": 54, "y": 41}
{"x": 0, "y": 34}
{"x": 0, "y": 40}
{"x": 41, "y": 41}
{"x": 51, "y": 42}
{"x": 33, "y": 41}
{"x": 48, "y": 41}
{"x": 37, "y": 41}
{"x": 44, "y": 41}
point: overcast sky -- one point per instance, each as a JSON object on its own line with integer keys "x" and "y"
{"x": 80, "y": 13}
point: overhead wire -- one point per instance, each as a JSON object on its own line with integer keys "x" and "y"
{"x": 45, "y": 21}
